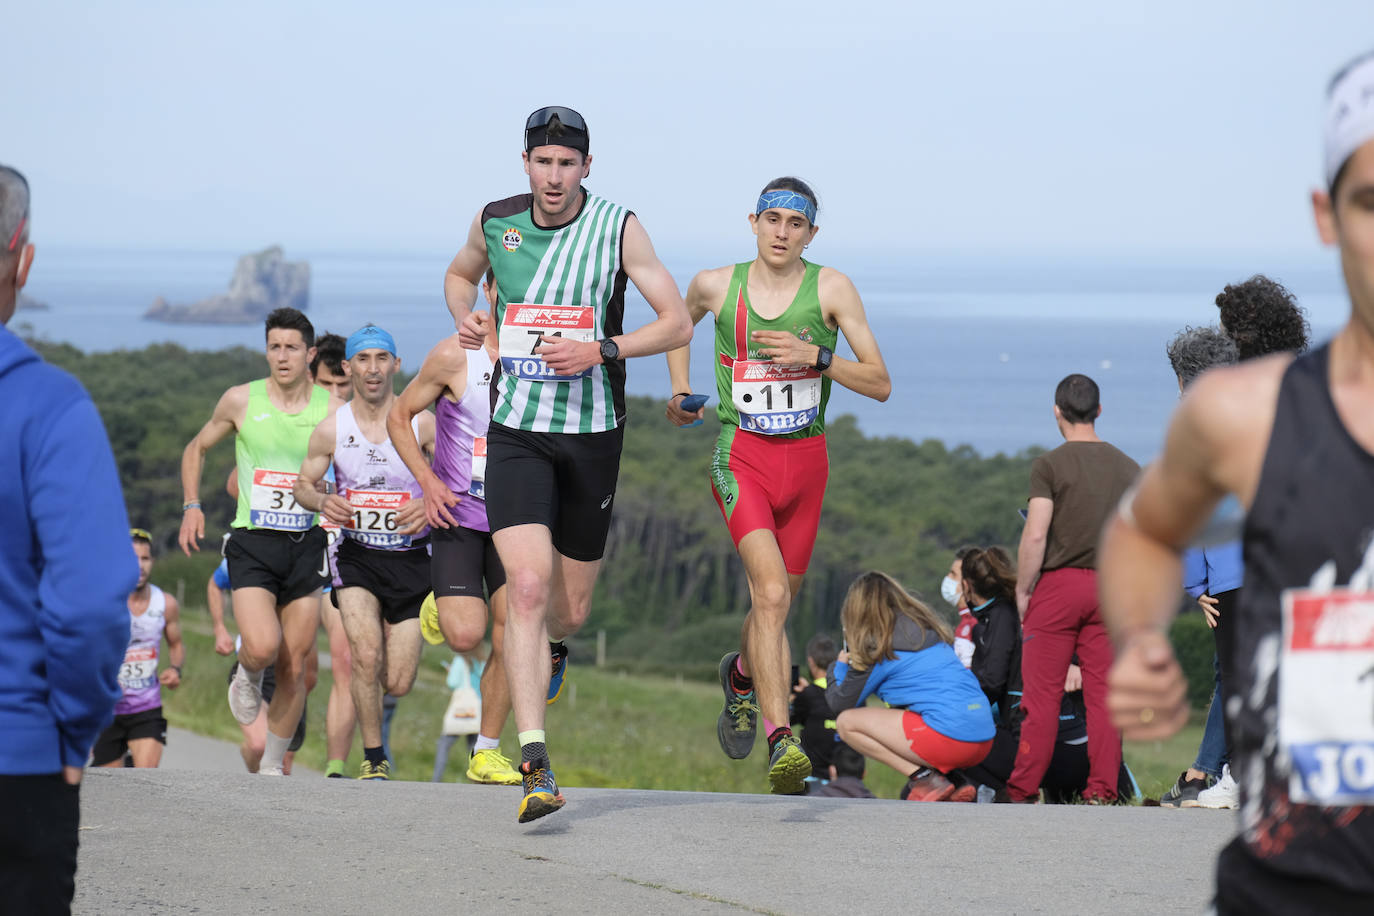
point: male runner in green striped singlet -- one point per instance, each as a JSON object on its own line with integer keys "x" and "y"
{"x": 561, "y": 256}
{"x": 276, "y": 553}
{"x": 778, "y": 318}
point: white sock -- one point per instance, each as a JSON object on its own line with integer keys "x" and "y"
{"x": 486, "y": 744}
{"x": 274, "y": 750}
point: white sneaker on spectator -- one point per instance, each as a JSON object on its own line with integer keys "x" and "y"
{"x": 1225, "y": 794}
{"x": 245, "y": 696}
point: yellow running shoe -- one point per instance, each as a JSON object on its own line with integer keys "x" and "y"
{"x": 429, "y": 621}
{"x": 490, "y": 767}
{"x": 380, "y": 771}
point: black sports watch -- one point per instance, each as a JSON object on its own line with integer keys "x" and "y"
{"x": 823, "y": 359}
{"x": 610, "y": 350}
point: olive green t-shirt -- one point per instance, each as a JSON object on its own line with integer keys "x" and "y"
{"x": 1085, "y": 480}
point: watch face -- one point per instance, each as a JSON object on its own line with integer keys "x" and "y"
{"x": 609, "y": 349}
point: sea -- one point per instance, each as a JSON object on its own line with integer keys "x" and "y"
{"x": 975, "y": 344}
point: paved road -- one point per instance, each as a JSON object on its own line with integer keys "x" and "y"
{"x": 182, "y": 841}
{"x": 189, "y": 751}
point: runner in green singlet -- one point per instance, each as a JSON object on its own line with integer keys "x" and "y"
{"x": 777, "y": 323}
{"x": 276, "y": 554}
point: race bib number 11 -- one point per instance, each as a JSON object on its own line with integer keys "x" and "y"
{"x": 1326, "y": 696}
{"x": 775, "y": 400}
{"x": 522, "y": 326}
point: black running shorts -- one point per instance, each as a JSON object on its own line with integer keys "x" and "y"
{"x": 290, "y": 565}
{"x": 563, "y": 481}
{"x": 113, "y": 742}
{"x": 463, "y": 560}
{"x": 398, "y": 579}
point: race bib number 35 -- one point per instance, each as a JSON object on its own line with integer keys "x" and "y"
{"x": 478, "y": 486}
{"x": 523, "y": 325}
{"x": 1326, "y": 696}
{"x": 272, "y": 505}
{"x": 775, "y": 400}
{"x": 139, "y": 670}
{"x": 374, "y": 517}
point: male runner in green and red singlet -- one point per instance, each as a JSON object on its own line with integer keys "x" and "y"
{"x": 777, "y": 322}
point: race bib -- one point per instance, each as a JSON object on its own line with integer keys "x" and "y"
{"x": 271, "y": 504}
{"x": 523, "y": 324}
{"x": 1326, "y": 696}
{"x": 374, "y": 517}
{"x": 139, "y": 670}
{"x": 774, "y": 400}
{"x": 478, "y": 486}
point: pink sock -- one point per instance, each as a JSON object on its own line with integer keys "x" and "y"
{"x": 769, "y": 727}
{"x": 740, "y": 667}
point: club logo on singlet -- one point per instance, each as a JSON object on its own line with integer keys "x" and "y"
{"x": 511, "y": 240}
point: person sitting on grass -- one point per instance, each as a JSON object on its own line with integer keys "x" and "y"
{"x": 846, "y": 775}
{"x": 898, "y": 649}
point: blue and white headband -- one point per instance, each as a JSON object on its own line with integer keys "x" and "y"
{"x": 1349, "y": 114}
{"x": 787, "y": 200}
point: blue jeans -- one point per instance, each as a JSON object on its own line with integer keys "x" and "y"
{"x": 1211, "y": 753}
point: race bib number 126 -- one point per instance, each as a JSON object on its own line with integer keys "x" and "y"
{"x": 522, "y": 326}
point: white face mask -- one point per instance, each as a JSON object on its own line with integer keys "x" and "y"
{"x": 949, "y": 590}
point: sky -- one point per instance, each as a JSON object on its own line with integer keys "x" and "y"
{"x": 998, "y": 129}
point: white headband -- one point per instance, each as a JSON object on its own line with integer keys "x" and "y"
{"x": 1349, "y": 114}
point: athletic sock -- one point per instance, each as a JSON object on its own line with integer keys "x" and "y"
{"x": 334, "y": 768}
{"x": 486, "y": 744}
{"x": 532, "y": 747}
{"x": 776, "y": 735}
{"x": 274, "y": 749}
{"x": 739, "y": 681}
{"x": 375, "y": 755}
{"x": 769, "y": 726}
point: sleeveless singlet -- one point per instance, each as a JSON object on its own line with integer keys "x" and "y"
{"x": 460, "y": 442}
{"x": 564, "y": 281}
{"x": 375, "y": 481}
{"x": 754, "y": 394}
{"x": 1304, "y": 650}
{"x": 268, "y": 452}
{"x": 138, "y": 673}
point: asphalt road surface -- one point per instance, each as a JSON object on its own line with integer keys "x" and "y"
{"x": 202, "y": 840}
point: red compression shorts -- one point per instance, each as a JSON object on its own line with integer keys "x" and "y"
{"x": 771, "y": 483}
{"x": 943, "y": 753}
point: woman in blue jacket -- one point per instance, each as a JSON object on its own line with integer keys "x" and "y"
{"x": 899, "y": 650}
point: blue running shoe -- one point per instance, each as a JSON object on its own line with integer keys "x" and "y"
{"x": 541, "y": 791}
{"x": 560, "y": 668}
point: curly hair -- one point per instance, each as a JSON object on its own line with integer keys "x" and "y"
{"x": 1263, "y": 317}
{"x": 1195, "y": 350}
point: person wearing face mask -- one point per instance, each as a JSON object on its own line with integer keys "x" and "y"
{"x": 951, "y": 589}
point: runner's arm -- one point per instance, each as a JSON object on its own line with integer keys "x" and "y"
{"x": 1030, "y": 555}
{"x": 214, "y": 600}
{"x": 318, "y": 456}
{"x": 462, "y": 281}
{"x": 176, "y": 649}
{"x": 443, "y": 368}
{"x": 866, "y": 374}
{"x": 703, "y": 293}
{"x": 225, "y": 420}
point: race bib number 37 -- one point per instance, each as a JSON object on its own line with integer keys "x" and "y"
{"x": 524, "y": 324}
{"x": 1326, "y": 696}
{"x": 272, "y": 505}
{"x": 775, "y": 400}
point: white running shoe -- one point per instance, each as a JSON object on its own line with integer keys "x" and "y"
{"x": 1225, "y": 794}
{"x": 271, "y": 771}
{"x": 245, "y": 696}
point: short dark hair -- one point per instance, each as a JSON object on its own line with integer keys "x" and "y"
{"x": 822, "y": 650}
{"x": 1195, "y": 350}
{"x": 847, "y": 761}
{"x": 330, "y": 350}
{"x": 796, "y": 185}
{"x": 292, "y": 320}
{"x": 1078, "y": 398}
{"x": 1263, "y": 317}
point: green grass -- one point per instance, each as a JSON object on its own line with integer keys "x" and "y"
{"x": 609, "y": 729}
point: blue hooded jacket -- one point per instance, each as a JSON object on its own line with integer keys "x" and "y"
{"x": 67, "y": 566}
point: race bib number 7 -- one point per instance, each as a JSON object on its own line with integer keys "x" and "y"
{"x": 775, "y": 400}
{"x": 374, "y": 521}
{"x": 273, "y": 505}
{"x": 1326, "y": 696}
{"x": 522, "y": 326}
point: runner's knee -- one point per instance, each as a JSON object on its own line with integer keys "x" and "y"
{"x": 529, "y": 595}
{"x": 771, "y": 599}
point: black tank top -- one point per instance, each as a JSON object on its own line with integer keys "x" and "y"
{"x": 1307, "y": 535}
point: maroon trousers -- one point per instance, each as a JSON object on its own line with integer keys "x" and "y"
{"x": 1063, "y": 619}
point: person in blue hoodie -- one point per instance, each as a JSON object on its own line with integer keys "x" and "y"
{"x": 899, "y": 650}
{"x": 66, "y": 566}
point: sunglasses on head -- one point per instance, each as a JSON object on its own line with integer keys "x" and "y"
{"x": 140, "y": 534}
{"x": 566, "y": 116}
{"x": 23, "y": 220}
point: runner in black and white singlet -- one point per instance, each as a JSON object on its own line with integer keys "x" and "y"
{"x": 139, "y": 727}
{"x": 277, "y": 552}
{"x": 465, "y": 571}
{"x": 561, "y": 257}
{"x": 383, "y": 560}
{"x": 1293, "y": 440}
